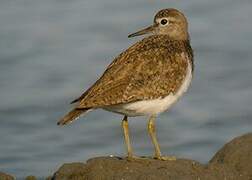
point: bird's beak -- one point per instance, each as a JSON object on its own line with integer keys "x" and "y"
{"x": 147, "y": 30}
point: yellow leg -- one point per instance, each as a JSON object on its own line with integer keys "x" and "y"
{"x": 152, "y": 132}
{"x": 125, "y": 127}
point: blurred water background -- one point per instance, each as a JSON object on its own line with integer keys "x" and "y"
{"x": 52, "y": 50}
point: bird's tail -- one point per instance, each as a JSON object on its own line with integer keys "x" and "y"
{"x": 71, "y": 116}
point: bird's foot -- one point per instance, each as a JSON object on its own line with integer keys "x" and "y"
{"x": 140, "y": 158}
{"x": 165, "y": 158}
{"x": 135, "y": 158}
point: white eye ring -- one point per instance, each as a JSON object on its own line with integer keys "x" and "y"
{"x": 164, "y": 22}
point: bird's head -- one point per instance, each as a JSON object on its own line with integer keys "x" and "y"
{"x": 169, "y": 22}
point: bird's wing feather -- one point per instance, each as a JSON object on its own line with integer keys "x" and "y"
{"x": 144, "y": 71}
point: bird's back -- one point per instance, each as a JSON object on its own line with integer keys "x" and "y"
{"x": 151, "y": 68}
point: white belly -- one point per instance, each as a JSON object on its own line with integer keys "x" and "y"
{"x": 152, "y": 107}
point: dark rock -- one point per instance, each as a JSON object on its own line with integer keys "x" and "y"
{"x": 108, "y": 168}
{"x": 232, "y": 162}
{"x": 4, "y": 176}
{"x": 236, "y": 155}
{"x": 71, "y": 171}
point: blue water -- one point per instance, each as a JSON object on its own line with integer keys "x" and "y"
{"x": 51, "y": 51}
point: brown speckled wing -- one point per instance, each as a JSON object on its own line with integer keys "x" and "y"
{"x": 152, "y": 68}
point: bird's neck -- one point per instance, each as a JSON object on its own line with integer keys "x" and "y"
{"x": 178, "y": 36}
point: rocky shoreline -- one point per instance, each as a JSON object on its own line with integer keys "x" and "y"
{"x": 232, "y": 162}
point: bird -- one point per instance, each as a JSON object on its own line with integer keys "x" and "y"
{"x": 144, "y": 80}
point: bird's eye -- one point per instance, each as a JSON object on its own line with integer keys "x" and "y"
{"x": 164, "y": 21}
